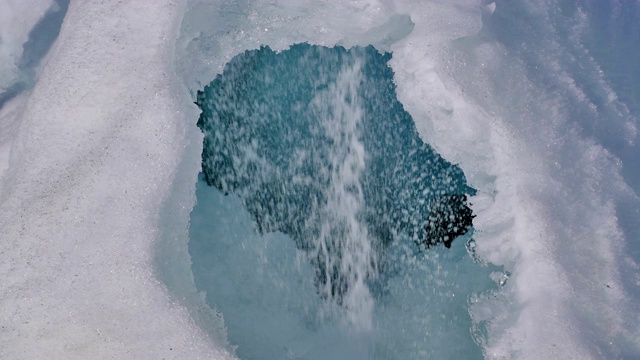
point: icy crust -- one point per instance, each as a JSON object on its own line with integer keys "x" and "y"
{"x": 92, "y": 158}
{"x": 554, "y": 205}
{"x": 95, "y": 147}
{"x": 539, "y": 132}
{"x": 212, "y": 33}
{"x": 17, "y": 18}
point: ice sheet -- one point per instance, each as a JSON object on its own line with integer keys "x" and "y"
{"x": 538, "y": 130}
{"x": 541, "y": 135}
{"x": 91, "y": 153}
{"x": 17, "y": 18}
{"x": 94, "y": 149}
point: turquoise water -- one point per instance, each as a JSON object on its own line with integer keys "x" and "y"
{"x": 327, "y": 229}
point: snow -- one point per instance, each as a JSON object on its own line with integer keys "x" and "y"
{"x": 555, "y": 204}
{"x": 93, "y": 156}
{"x": 17, "y": 18}
{"x": 98, "y": 164}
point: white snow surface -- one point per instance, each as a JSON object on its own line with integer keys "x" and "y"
{"x": 92, "y": 157}
{"x": 104, "y": 149}
{"x": 17, "y": 18}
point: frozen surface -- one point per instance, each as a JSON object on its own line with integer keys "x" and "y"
{"x": 90, "y": 162}
{"x": 326, "y": 161}
{"x": 17, "y": 18}
{"x": 26, "y": 35}
{"x": 565, "y": 211}
{"x": 536, "y": 101}
{"x": 514, "y": 93}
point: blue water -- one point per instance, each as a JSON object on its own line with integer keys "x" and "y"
{"x": 328, "y": 227}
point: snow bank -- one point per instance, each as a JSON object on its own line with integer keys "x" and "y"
{"x": 93, "y": 152}
{"x": 539, "y": 134}
{"x": 92, "y": 157}
{"x": 17, "y": 18}
{"x": 536, "y": 127}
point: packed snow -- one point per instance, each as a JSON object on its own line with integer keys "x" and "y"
{"x": 99, "y": 156}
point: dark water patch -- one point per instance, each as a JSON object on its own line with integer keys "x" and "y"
{"x": 43, "y": 35}
{"x": 268, "y": 140}
{"x": 315, "y": 181}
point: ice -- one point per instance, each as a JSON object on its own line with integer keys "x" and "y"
{"x": 93, "y": 151}
{"x": 562, "y": 135}
{"x": 537, "y": 103}
{"x": 325, "y": 154}
{"x": 26, "y": 42}
{"x": 539, "y": 134}
{"x": 17, "y": 18}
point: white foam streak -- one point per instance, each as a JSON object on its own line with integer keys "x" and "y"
{"x": 343, "y": 236}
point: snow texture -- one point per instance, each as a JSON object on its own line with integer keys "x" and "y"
{"x": 93, "y": 154}
{"x": 522, "y": 95}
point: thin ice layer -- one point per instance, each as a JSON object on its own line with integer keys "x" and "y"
{"x": 91, "y": 160}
